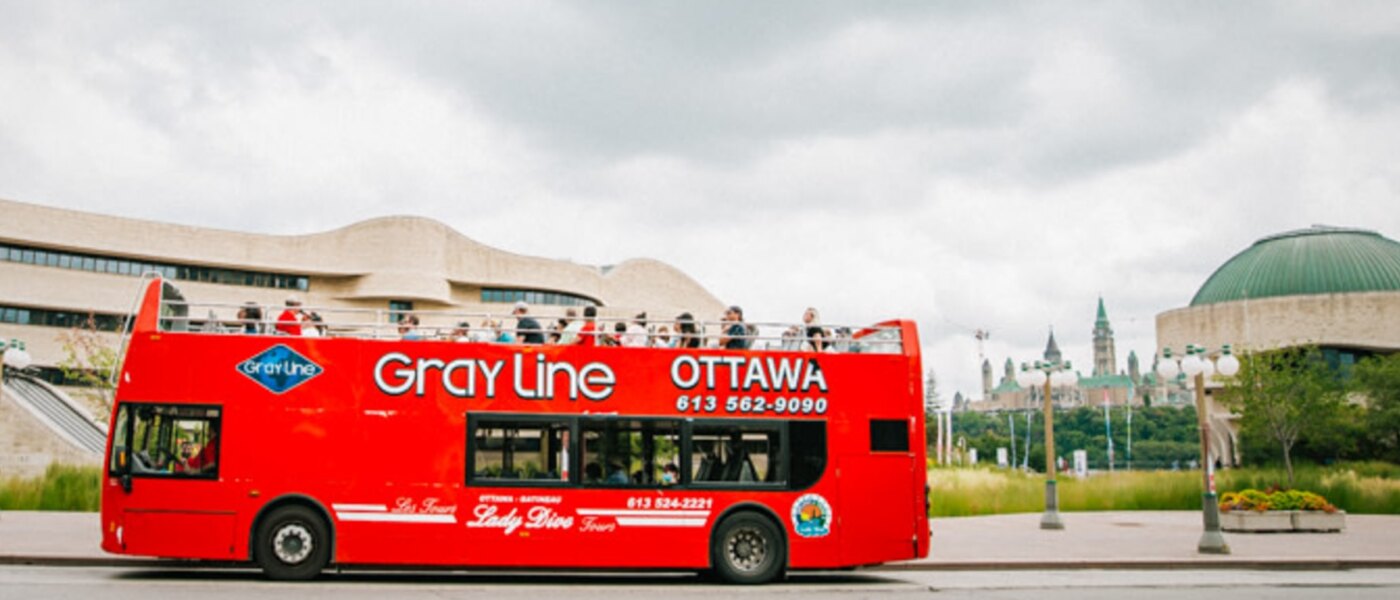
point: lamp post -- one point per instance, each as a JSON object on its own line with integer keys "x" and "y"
{"x": 1197, "y": 364}
{"x": 1048, "y": 374}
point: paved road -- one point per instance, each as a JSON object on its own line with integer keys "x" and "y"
{"x": 42, "y": 583}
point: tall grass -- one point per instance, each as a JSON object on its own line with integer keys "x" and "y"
{"x": 1369, "y": 488}
{"x": 62, "y": 487}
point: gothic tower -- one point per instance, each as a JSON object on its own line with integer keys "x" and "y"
{"x": 1134, "y": 371}
{"x": 1104, "y": 358}
{"x": 1052, "y": 350}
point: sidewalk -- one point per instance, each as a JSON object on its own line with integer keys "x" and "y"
{"x": 1089, "y": 540}
{"x": 1145, "y": 539}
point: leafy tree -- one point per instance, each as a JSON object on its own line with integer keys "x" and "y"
{"x": 1378, "y": 379}
{"x": 89, "y": 360}
{"x": 1284, "y": 396}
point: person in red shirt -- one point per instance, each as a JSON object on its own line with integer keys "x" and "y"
{"x": 289, "y": 322}
{"x": 205, "y": 461}
{"x": 588, "y": 335}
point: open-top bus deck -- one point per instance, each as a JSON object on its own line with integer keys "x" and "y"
{"x": 301, "y": 452}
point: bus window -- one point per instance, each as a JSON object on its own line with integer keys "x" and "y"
{"x": 169, "y": 440}
{"x": 119, "y": 444}
{"x": 748, "y": 454}
{"x": 808, "y": 446}
{"x": 631, "y": 453}
{"x": 512, "y": 449}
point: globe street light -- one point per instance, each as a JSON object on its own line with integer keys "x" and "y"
{"x": 1198, "y": 365}
{"x": 15, "y": 356}
{"x": 1048, "y": 374}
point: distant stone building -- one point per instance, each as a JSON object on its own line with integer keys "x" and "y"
{"x": 1105, "y": 383}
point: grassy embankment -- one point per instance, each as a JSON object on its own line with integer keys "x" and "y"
{"x": 62, "y": 487}
{"x": 1369, "y": 488}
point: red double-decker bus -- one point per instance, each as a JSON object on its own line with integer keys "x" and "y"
{"x": 297, "y": 452}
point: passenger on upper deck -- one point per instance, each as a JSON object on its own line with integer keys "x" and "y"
{"x": 526, "y": 328}
{"x": 815, "y": 335}
{"x": 635, "y": 335}
{"x": 408, "y": 328}
{"x": 250, "y": 316}
{"x": 687, "y": 335}
{"x": 735, "y": 336}
{"x": 315, "y": 327}
{"x": 289, "y": 322}
{"x": 499, "y": 334}
{"x": 663, "y": 338}
{"x": 568, "y": 335}
{"x": 462, "y": 333}
{"x": 588, "y": 332}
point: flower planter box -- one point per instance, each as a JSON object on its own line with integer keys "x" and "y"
{"x": 1248, "y": 521}
{"x": 1311, "y": 520}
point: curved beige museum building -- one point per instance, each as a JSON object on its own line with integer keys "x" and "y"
{"x": 57, "y": 266}
{"x": 1330, "y": 287}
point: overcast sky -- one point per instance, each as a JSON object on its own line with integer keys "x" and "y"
{"x": 966, "y": 164}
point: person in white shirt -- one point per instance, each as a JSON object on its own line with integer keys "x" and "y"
{"x": 570, "y": 333}
{"x": 636, "y": 335}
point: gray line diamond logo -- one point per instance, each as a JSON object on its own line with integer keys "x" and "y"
{"x": 279, "y": 369}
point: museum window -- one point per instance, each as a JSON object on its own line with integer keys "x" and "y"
{"x": 542, "y": 297}
{"x": 119, "y": 266}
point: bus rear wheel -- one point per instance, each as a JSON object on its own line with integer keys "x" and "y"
{"x": 748, "y": 549}
{"x": 292, "y": 544}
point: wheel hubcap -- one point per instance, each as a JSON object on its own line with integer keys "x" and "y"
{"x": 292, "y": 544}
{"x": 747, "y": 549}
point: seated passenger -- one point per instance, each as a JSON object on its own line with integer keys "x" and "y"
{"x": 592, "y": 473}
{"x": 617, "y": 475}
{"x": 250, "y": 317}
{"x": 408, "y": 328}
{"x": 687, "y": 334}
{"x": 670, "y": 475}
{"x": 316, "y": 326}
{"x": 569, "y": 327}
{"x": 663, "y": 338}
{"x": 462, "y": 333}
{"x": 634, "y": 334}
{"x": 499, "y": 334}
{"x": 736, "y": 333}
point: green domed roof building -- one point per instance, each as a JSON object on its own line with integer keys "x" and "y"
{"x": 1332, "y": 287}
{"x": 1317, "y": 260}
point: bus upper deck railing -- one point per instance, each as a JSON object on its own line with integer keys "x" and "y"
{"x": 484, "y": 327}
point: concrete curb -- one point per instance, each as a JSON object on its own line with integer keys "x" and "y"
{"x": 1298, "y": 564}
{"x": 1295, "y": 564}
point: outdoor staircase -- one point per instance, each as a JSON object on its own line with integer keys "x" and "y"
{"x": 57, "y": 412}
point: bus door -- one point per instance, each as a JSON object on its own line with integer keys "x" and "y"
{"x": 165, "y": 457}
{"x": 879, "y": 496}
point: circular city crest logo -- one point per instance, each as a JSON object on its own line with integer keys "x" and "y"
{"x": 811, "y": 516}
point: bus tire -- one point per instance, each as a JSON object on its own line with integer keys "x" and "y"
{"x": 293, "y": 543}
{"x": 747, "y": 548}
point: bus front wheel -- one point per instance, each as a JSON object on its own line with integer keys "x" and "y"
{"x": 747, "y": 548}
{"x": 292, "y": 543}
